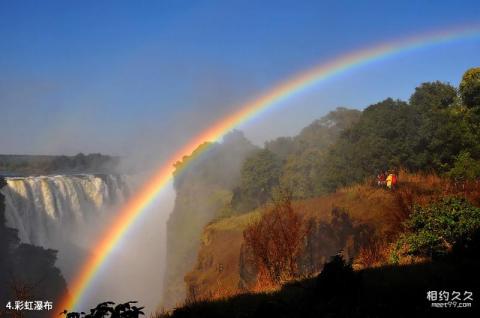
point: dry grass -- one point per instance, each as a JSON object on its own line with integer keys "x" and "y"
{"x": 263, "y": 283}
{"x": 375, "y": 252}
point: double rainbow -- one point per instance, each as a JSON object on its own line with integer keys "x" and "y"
{"x": 149, "y": 191}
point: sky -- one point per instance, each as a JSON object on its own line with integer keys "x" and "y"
{"x": 139, "y": 78}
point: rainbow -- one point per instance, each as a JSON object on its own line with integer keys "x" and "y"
{"x": 161, "y": 178}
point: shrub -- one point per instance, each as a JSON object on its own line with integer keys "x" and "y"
{"x": 434, "y": 229}
{"x": 108, "y": 309}
{"x": 276, "y": 240}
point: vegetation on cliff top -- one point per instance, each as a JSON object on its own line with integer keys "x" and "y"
{"x": 38, "y": 165}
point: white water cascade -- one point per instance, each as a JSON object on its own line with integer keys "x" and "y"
{"x": 63, "y": 212}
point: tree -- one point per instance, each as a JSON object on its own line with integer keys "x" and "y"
{"x": 303, "y": 154}
{"x": 383, "y": 137}
{"x": 282, "y": 146}
{"x": 428, "y": 134}
{"x": 470, "y": 88}
{"x": 260, "y": 173}
{"x": 323, "y": 132}
{"x": 299, "y": 172}
{"x": 465, "y": 168}
{"x": 433, "y": 95}
{"x": 317, "y": 136}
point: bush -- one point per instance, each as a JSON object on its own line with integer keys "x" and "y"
{"x": 108, "y": 309}
{"x": 276, "y": 240}
{"x": 434, "y": 229}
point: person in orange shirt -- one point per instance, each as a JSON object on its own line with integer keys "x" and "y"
{"x": 389, "y": 180}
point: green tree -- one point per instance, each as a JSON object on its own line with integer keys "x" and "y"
{"x": 384, "y": 136}
{"x": 260, "y": 173}
{"x": 470, "y": 87}
{"x": 433, "y": 95}
{"x": 323, "y": 132}
{"x": 442, "y": 135}
{"x": 282, "y": 146}
{"x": 299, "y": 173}
{"x": 465, "y": 167}
{"x": 428, "y": 134}
{"x": 303, "y": 154}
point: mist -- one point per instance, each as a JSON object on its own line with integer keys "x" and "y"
{"x": 134, "y": 269}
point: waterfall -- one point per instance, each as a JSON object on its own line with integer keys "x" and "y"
{"x": 61, "y": 210}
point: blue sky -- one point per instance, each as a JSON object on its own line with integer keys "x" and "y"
{"x": 127, "y": 77}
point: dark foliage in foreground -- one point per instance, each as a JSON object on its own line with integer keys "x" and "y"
{"x": 107, "y": 309}
{"x": 389, "y": 291}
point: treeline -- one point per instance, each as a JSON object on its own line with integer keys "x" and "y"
{"x": 293, "y": 162}
{"x": 436, "y": 131}
{"x": 35, "y": 165}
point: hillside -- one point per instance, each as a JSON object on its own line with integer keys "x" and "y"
{"x": 372, "y": 213}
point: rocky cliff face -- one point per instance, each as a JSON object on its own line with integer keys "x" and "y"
{"x": 344, "y": 221}
{"x": 204, "y": 190}
{"x": 219, "y": 270}
{"x": 183, "y": 235}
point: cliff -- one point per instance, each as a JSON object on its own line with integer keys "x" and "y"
{"x": 219, "y": 270}
{"x": 361, "y": 221}
{"x": 204, "y": 190}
